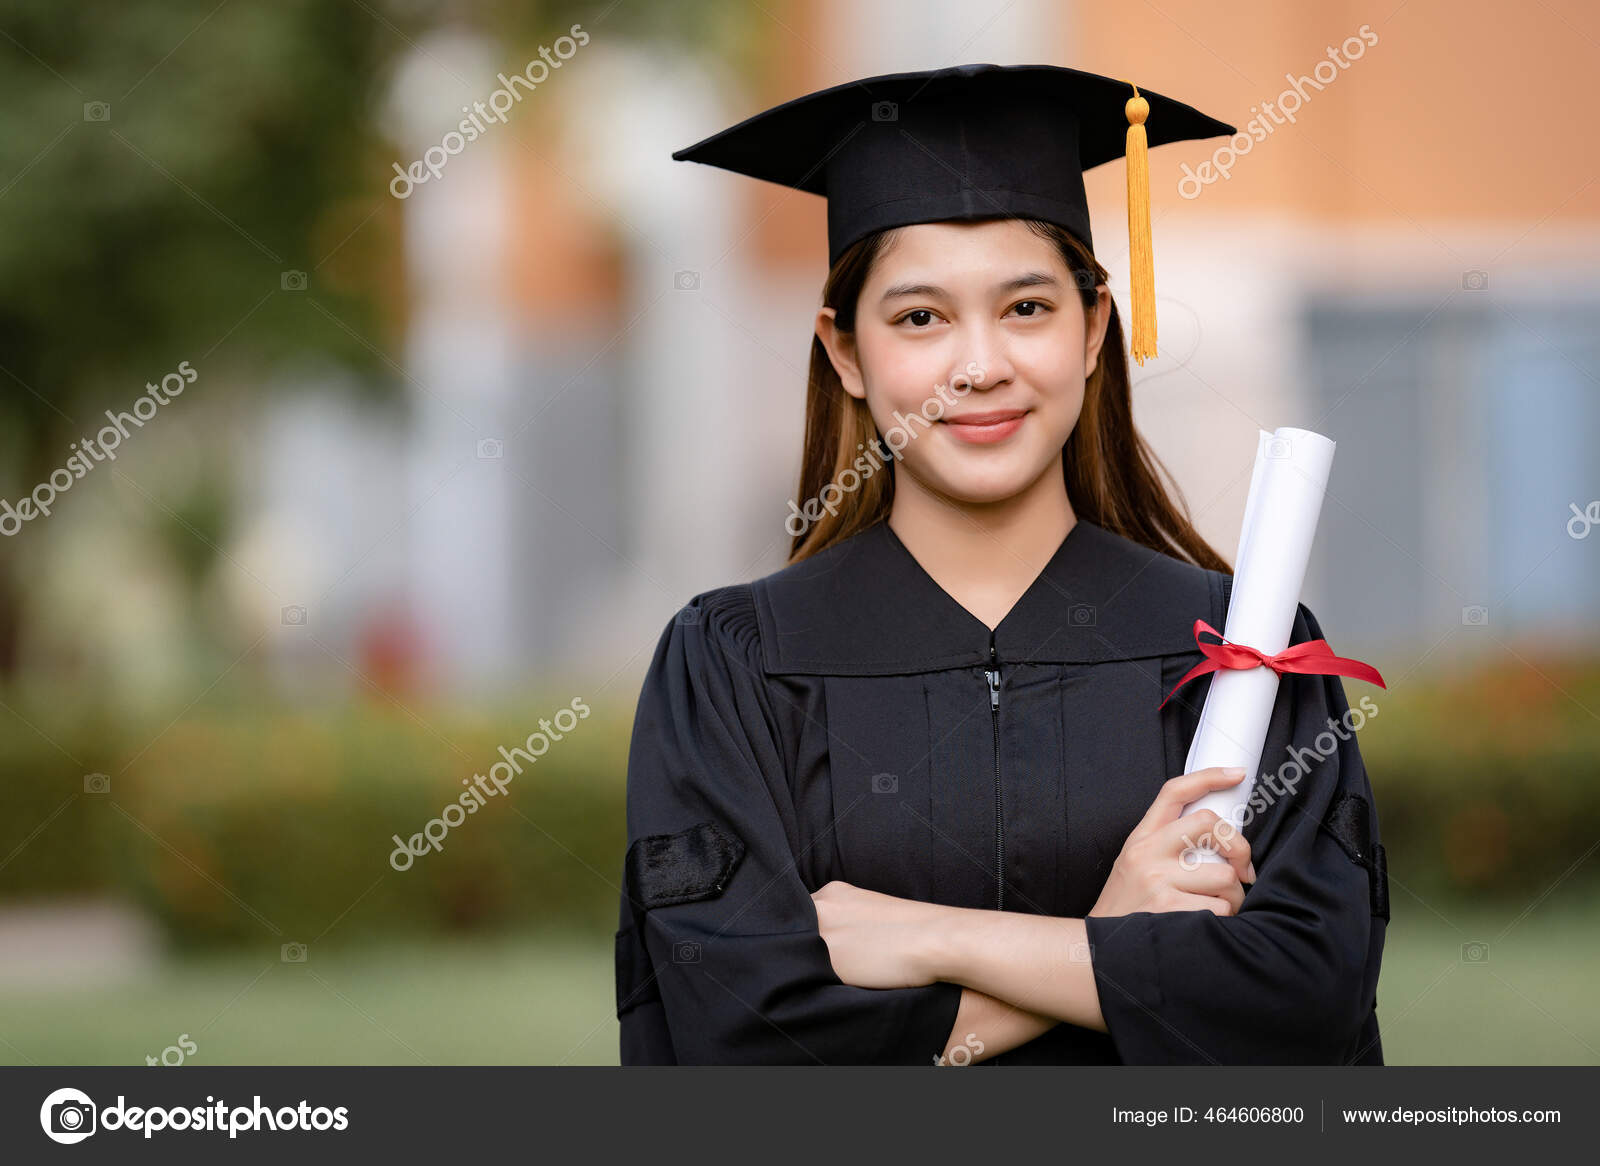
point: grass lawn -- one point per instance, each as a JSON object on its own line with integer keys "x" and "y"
{"x": 1532, "y": 1001}
{"x": 509, "y": 1001}
{"x": 549, "y": 1001}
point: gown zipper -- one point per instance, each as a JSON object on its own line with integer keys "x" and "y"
{"x": 992, "y": 675}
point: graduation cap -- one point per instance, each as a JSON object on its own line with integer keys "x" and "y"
{"x": 967, "y": 142}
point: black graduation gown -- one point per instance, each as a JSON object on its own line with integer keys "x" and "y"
{"x": 838, "y": 719}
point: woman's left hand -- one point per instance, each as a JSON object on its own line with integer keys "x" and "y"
{"x": 876, "y": 940}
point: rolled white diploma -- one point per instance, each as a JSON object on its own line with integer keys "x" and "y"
{"x": 1280, "y": 521}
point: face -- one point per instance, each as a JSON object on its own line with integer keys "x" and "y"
{"x": 980, "y": 327}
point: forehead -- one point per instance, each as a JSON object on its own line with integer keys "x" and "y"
{"x": 951, "y": 253}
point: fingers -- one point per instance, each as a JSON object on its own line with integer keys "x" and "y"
{"x": 1177, "y": 792}
{"x": 1212, "y": 879}
{"x": 1227, "y": 841}
{"x": 1182, "y": 901}
{"x": 1207, "y": 830}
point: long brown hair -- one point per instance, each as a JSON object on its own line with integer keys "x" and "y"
{"x": 1114, "y": 479}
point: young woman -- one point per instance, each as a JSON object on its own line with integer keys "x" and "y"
{"x": 911, "y": 799}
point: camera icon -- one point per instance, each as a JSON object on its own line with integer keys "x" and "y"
{"x": 687, "y": 616}
{"x": 686, "y": 951}
{"x": 96, "y": 783}
{"x": 1278, "y": 447}
{"x": 293, "y": 953}
{"x": 686, "y": 280}
{"x": 1474, "y": 280}
{"x": 1474, "y": 952}
{"x": 69, "y": 1119}
{"x": 490, "y": 447}
{"x": 885, "y": 111}
{"x": 1476, "y": 614}
{"x": 294, "y": 616}
{"x": 885, "y": 783}
{"x": 292, "y": 281}
{"x": 1082, "y": 615}
{"x": 1085, "y": 280}
{"x": 1081, "y": 953}
{"x": 96, "y": 111}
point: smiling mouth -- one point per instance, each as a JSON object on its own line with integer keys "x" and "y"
{"x": 985, "y": 428}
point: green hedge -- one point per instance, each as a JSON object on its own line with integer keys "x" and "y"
{"x": 240, "y": 827}
{"x": 235, "y": 826}
{"x": 1488, "y": 785}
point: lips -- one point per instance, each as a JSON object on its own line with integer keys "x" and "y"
{"x": 986, "y": 427}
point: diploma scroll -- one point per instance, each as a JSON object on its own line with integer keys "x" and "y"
{"x": 1280, "y": 521}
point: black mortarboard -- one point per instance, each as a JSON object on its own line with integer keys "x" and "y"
{"x": 967, "y": 142}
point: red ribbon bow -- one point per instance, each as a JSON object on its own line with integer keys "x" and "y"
{"x": 1312, "y": 657}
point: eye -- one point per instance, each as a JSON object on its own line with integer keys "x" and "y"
{"x": 918, "y": 317}
{"x": 1037, "y": 308}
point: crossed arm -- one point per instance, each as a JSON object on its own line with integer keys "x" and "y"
{"x": 1023, "y": 974}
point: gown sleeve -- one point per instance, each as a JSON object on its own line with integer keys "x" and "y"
{"x": 1291, "y": 978}
{"x": 719, "y": 956}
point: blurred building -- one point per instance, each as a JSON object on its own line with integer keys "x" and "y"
{"x": 607, "y": 366}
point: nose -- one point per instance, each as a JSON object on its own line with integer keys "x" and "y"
{"x": 986, "y": 364}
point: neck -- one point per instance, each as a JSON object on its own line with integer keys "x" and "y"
{"x": 986, "y": 554}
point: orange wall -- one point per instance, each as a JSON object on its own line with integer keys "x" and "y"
{"x": 1462, "y": 109}
{"x": 564, "y": 260}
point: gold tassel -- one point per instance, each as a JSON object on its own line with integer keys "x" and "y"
{"x": 1141, "y": 257}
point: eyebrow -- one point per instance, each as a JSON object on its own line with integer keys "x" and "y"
{"x": 1030, "y": 279}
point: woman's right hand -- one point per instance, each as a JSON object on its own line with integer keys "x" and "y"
{"x": 1150, "y": 875}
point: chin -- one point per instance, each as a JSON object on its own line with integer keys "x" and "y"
{"x": 977, "y": 486}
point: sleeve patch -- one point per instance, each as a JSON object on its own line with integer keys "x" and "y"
{"x": 662, "y": 869}
{"x": 1348, "y": 821}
